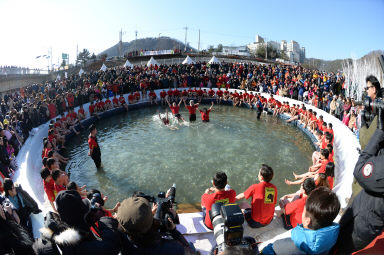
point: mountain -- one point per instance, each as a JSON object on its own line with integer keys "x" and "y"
{"x": 162, "y": 43}
{"x": 337, "y": 64}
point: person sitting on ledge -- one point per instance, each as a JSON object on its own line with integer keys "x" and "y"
{"x": 293, "y": 210}
{"x": 313, "y": 171}
{"x": 264, "y": 198}
{"x": 317, "y": 233}
{"x": 216, "y": 194}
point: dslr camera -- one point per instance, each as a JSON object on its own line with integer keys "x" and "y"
{"x": 227, "y": 221}
{"x": 164, "y": 206}
{"x": 371, "y": 108}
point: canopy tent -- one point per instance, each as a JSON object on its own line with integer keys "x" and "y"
{"x": 152, "y": 62}
{"x": 103, "y": 68}
{"x": 188, "y": 61}
{"x": 214, "y": 60}
{"x": 81, "y": 72}
{"x": 128, "y": 64}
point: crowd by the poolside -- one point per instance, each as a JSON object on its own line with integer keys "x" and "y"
{"x": 55, "y": 101}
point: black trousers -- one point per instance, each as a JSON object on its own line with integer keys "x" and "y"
{"x": 96, "y": 156}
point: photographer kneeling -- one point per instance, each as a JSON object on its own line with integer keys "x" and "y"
{"x": 143, "y": 231}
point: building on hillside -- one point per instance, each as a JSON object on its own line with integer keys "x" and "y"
{"x": 235, "y": 50}
{"x": 292, "y": 49}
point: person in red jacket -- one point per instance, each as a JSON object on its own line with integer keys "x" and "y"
{"x": 205, "y": 113}
{"x": 293, "y": 210}
{"x": 264, "y": 198}
{"x": 216, "y": 194}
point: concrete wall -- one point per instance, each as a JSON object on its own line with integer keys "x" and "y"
{"x": 16, "y": 82}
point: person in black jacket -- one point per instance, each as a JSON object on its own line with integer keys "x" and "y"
{"x": 14, "y": 239}
{"x": 22, "y": 202}
{"x": 363, "y": 220}
{"x": 68, "y": 233}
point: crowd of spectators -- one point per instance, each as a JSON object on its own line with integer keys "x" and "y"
{"x": 122, "y": 228}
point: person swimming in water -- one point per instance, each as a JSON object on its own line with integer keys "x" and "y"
{"x": 165, "y": 120}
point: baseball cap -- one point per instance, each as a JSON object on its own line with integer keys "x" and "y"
{"x": 135, "y": 215}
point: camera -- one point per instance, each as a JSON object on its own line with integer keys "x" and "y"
{"x": 227, "y": 221}
{"x": 371, "y": 108}
{"x": 164, "y": 206}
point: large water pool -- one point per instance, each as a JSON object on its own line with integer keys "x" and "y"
{"x": 140, "y": 154}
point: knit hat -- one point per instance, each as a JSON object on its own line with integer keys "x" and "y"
{"x": 135, "y": 215}
{"x": 72, "y": 209}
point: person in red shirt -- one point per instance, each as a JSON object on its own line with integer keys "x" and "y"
{"x": 292, "y": 211}
{"x": 219, "y": 96}
{"x": 163, "y": 94}
{"x": 152, "y": 97}
{"x": 61, "y": 181}
{"x": 52, "y": 110}
{"x": 184, "y": 94}
{"x": 330, "y": 173}
{"x": 175, "y": 108}
{"x": 216, "y": 194}
{"x": 191, "y": 109}
{"x": 115, "y": 101}
{"x": 264, "y": 198}
{"x": 108, "y": 104}
{"x": 49, "y": 186}
{"x": 205, "y": 113}
{"x": 94, "y": 149}
{"x": 314, "y": 170}
{"x": 92, "y": 111}
{"x": 81, "y": 113}
{"x": 122, "y": 101}
{"x": 137, "y": 96}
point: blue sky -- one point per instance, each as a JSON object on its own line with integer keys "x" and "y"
{"x": 328, "y": 29}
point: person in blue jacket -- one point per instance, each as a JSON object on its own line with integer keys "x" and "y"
{"x": 318, "y": 233}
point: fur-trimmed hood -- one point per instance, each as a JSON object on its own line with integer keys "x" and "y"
{"x": 68, "y": 237}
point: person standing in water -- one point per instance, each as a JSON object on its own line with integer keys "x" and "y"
{"x": 94, "y": 148}
{"x": 175, "y": 109}
{"x": 191, "y": 109}
{"x": 205, "y": 113}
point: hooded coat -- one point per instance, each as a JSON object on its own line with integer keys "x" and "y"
{"x": 58, "y": 238}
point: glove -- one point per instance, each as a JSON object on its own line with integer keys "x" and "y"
{"x": 380, "y": 119}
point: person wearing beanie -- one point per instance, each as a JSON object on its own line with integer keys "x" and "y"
{"x": 142, "y": 234}
{"x": 69, "y": 232}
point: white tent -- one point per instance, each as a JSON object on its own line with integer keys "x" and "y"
{"x": 188, "y": 61}
{"x": 152, "y": 62}
{"x": 81, "y": 72}
{"x": 128, "y": 64}
{"x": 103, "y": 68}
{"x": 214, "y": 60}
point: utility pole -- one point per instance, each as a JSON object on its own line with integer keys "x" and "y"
{"x": 77, "y": 53}
{"x": 185, "y": 42}
{"x": 198, "y": 46}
